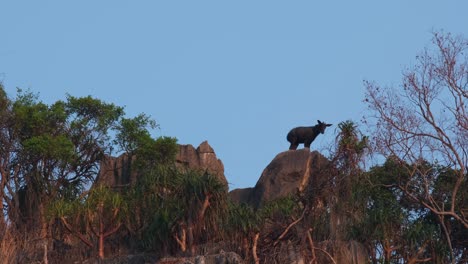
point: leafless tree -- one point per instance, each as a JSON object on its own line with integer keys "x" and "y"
{"x": 425, "y": 120}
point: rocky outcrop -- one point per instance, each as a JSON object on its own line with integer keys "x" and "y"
{"x": 116, "y": 171}
{"x": 202, "y": 159}
{"x": 241, "y": 195}
{"x": 288, "y": 173}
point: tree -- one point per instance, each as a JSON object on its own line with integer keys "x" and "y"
{"x": 99, "y": 215}
{"x": 344, "y": 210}
{"x": 201, "y": 199}
{"x": 6, "y": 154}
{"x": 154, "y": 208}
{"x": 271, "y": 223}
{"x": 58, "y": 147}
{"x": 426, "y": 121}
{"x": 242, "y": 224}
{"x": 173, "y": 208}
{"x": 49, "y": 152}
{"x": 348, "y": 158}
{"x": 394, "y": 227}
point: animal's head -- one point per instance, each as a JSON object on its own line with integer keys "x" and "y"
{"x": 322, "y": 125}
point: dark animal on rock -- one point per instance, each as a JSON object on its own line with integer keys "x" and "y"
{"x": 305, "y": 135}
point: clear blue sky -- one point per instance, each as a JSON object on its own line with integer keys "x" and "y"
{"x": 239, "y": 74}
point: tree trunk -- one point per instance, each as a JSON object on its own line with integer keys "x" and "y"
{"x": 44, "y": 232}
{"x": 182, "y": 241}
{"x": 387, "y": 253}
{"x": 388, "y": 250}
{"x": 2, "y": 218}
{"x": 3, "y": 178}
{"x": 245, "y": 248}
{"x": 205, "y": 205}
{"x": 312, "y": 247}
{"x": 101, "y": 239}
{"x": 191, "y": 239}
{"x": 101, "y": 246}
{"x": 415, "y": 259}
{"x": 254, "y": 249}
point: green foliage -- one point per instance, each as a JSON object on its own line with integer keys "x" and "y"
{"x": 52, "y": 152}
{"x": 93, "y": 112}
{"x": 132, "y": 132}
{"x": 242, "y": 218}
{"x": 98, "y": 201}
{"x": 103, "y": 196}
{"x": 165, "y": 199}
{"x": 384, "y": 215}
{"x": 279, "y": 208}
{"x": 31, "y": 119}
{"x": 56, "y": 148}
{"x": 194, "y": 189}
{"x": 153, "y": 206}
{"x": 392, "y": 220}
{"x": 348, "y": 138}
{"x": 444, "y": 184}
{"x": 163, "y": 150}
{"x": 351, "y": 146}
{"x": 158, "y": 234}
{"x": 4, "y": 101}
{"x": 134, "y": 138}
{"x": 64, "y": 208}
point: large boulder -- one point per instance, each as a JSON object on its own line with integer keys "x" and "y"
{"x": 241, "y": 195}
{"x": 288, "y": 173}
{"x": 116, "y": 171}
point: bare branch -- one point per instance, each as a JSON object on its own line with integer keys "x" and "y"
{"x": 75, "y": 233}
{"x": 289, "y": 227}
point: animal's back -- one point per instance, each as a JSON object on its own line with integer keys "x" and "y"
{"x": 295, "y": 134}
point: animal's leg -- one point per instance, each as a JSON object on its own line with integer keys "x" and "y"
{"x": 293, "y": 146}
{"x": 307, "y": 144}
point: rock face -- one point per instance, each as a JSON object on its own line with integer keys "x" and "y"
{"x": 201, "y": 159}
{"x": 288, "y": 173}
{"x": 241, "y": 195}
{"x": 115, "y": 171}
